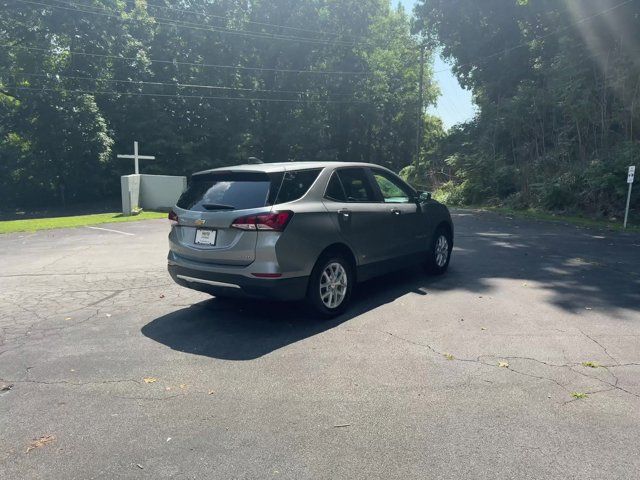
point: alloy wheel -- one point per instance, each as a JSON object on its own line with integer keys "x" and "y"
{"x": 442, "y": 251}
{"x": 333, "y": 285}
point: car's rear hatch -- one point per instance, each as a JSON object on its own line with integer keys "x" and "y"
{"x": 209, "y": 206}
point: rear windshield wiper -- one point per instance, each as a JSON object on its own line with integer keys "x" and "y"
{"x": 218, "y": 206}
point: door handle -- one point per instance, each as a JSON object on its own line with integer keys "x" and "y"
{"x": 396, "y": 211}
{"x": 345, "y": 212}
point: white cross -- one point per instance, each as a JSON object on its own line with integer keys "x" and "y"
{"x": 137, "y": 157}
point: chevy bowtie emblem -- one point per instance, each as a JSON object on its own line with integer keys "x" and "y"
{"x": 200, "y": 222}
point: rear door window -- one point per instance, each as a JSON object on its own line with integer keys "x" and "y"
{"x": 357, "y": 187}
{"x": 227, "y": 191}
{"x": 295, "y": 184}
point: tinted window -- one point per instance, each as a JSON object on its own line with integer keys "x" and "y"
{"x": 392, "y": 190}
{"x": 295, "y": 184}
{"x": 356, "y": 185}
{"x": 334, "y": 189}
{"x": 226, "y": 191}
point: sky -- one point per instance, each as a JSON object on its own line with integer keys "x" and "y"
{"x": 455, "y": 105}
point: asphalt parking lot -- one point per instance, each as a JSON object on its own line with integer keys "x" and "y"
{"x": 109, "y": 370}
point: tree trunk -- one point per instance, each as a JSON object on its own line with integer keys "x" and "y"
{"x": 580, "y": 147}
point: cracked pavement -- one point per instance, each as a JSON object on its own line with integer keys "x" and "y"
{"x": 522, "y": 362}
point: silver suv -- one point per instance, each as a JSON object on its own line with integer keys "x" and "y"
{"x": 296, "y": 230}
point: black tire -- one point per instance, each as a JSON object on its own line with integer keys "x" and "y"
{"x": 314, "y": 297}
{"x": 435, "y": 265}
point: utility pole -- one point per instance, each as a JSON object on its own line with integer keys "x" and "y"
{"x": 420, "y": 108}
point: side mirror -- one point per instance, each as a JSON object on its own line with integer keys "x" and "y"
{"x": 424, "y": 196}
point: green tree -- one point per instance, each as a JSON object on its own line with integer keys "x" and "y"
{"x": 557, "y": 88}
{"x": 201, "y": 84}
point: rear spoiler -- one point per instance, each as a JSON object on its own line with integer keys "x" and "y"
{"x": 239, "y": 174}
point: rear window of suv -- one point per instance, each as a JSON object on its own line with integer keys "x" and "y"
{"x": 226, "y": 191}
{"x": 245, "y": 190}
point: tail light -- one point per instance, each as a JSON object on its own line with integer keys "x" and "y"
{"x": 173, "y": 217}
{"x": 274, "y": 221}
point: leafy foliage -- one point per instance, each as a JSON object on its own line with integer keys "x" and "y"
{"x": 200, "y": 84}
{"x": 558, "y": 90}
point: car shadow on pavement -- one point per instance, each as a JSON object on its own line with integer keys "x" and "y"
{"x": 245, "y": 329}
{"x": 571, "y": 269}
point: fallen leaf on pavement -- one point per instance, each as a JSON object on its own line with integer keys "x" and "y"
{"x": 5, "y": 387}
{"x": 150, "y": 379}
{"x": 448, "y": 356}
{"x": 183, "y": 386}
{"x": 503, "y": 364}
{"x": 482, "y": 328}
{"x": 579, "y": 395}
{"x": 590, "y": 364}
{"x": 40, "y": 442}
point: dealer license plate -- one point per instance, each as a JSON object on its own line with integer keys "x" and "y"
{"x": 205, "y": 237}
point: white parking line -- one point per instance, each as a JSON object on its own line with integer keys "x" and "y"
{"x": 114, "y": 231}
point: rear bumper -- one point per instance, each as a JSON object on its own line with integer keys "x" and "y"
{"x": 227, "y": 284}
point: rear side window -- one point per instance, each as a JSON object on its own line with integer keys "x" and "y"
{"x": 356, "y": 185}
{"x": 295, "y": 184}
{"x": 226, "y": 191}
{"x": 334, "y": 190}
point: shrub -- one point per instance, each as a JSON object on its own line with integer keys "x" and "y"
{"x": 451, "y": 194}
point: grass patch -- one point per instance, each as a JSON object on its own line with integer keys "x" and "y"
{"x": 579, "y": 395}
{"x": 35, "y": 224}
{"x": 551, "y": 217}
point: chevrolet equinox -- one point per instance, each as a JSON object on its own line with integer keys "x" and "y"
{"x": 296, "y": 230}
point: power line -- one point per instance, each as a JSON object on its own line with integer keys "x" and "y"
{"x": 197, "y": 26}
{"x": 184, "y": 24}
{"x": 179, "y": 85}
{"x": 252, "y": 22}
{"x": 190, "y": 64}
{"x": 166, "y": 95}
